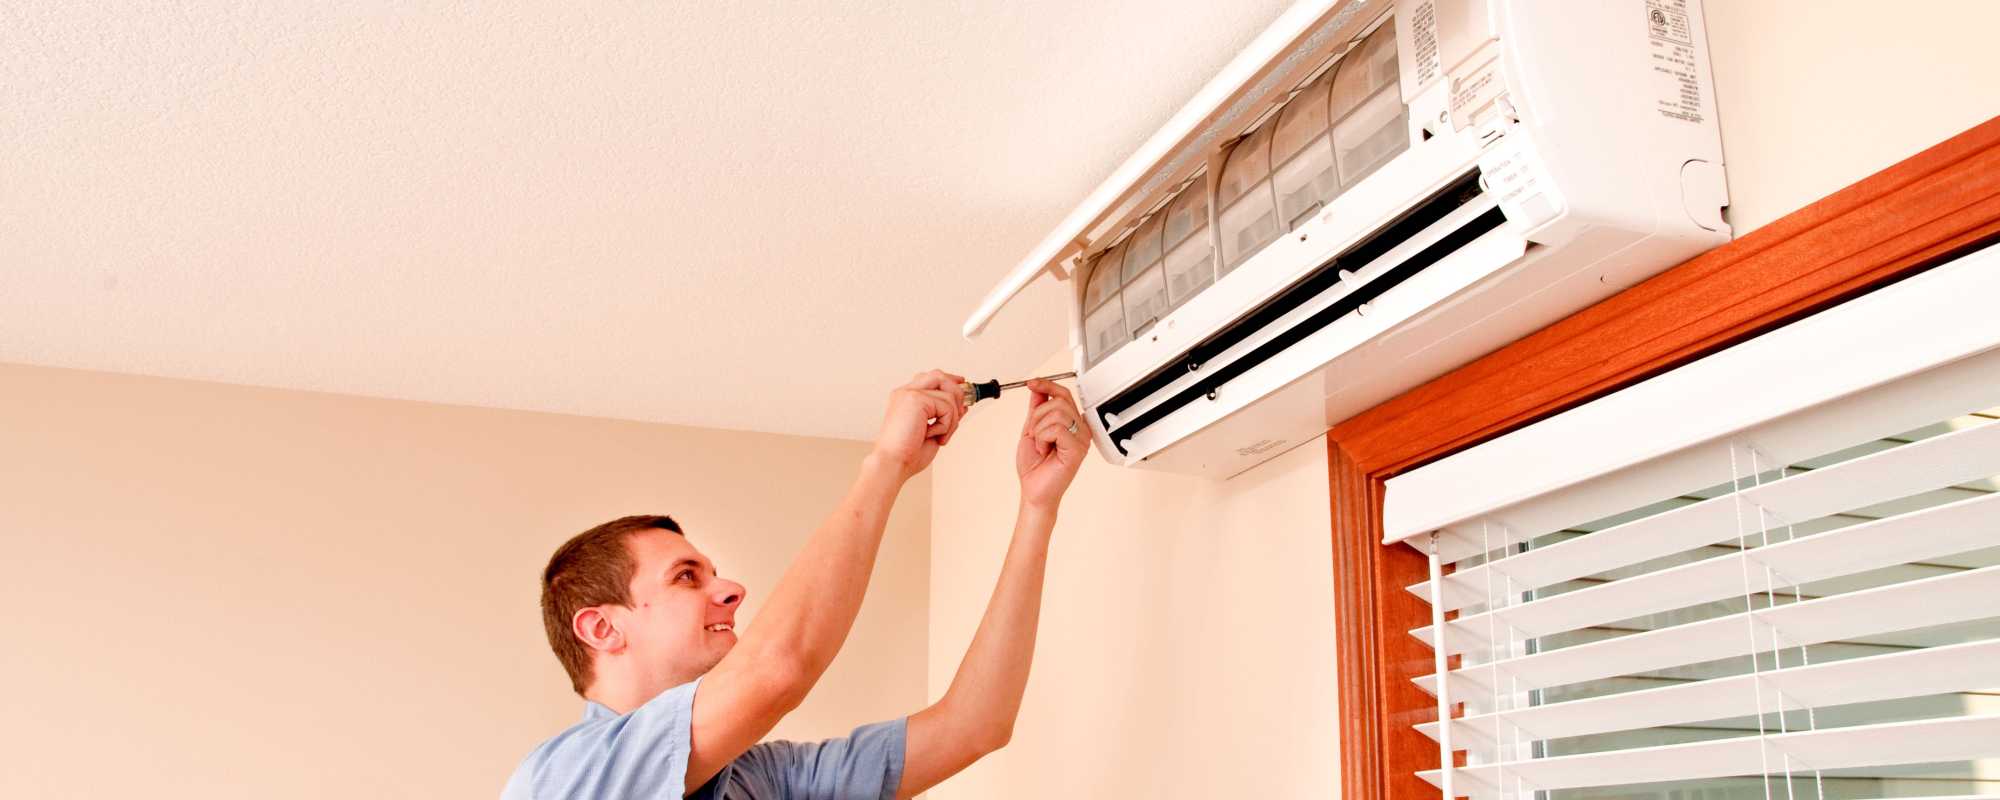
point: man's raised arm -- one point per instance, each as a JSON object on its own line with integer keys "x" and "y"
{"x": 976, "y": 715}
{"x": 800, "y": 629}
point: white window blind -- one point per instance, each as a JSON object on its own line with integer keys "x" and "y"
{"x": 1773, "y": 572}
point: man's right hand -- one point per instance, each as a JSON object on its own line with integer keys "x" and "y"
{"x": 923, "y": 414}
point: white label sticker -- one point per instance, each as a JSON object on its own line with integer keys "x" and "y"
{"x": 1507, "y": 172}
{"x": 1424, "y": 41}
{"x": 1670, "y": 38}
{"x": 1512, "y": 173}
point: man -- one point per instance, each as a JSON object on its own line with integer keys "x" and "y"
{"x": 677, "y": 702}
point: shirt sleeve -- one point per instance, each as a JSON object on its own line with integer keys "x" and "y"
{"x": 865, "y": 765}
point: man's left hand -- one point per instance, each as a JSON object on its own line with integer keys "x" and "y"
{"x": 1052, "y": 445}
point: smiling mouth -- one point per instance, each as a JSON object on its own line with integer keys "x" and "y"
{"x": 720, "y": 627}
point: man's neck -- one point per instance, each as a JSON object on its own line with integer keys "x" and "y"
{"x": 623, "y": 692}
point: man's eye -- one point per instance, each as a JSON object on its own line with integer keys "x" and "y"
{"x": 686, "y": 575}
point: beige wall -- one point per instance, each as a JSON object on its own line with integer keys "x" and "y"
{"x": 220, "y": 591}
{"x": 216, "y": 591}
{"x": 1187, "y": 635}
{"x": 1817, "y": 94}
{"x": 1187, "y": 647}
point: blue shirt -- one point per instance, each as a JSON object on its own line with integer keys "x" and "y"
{"x": 644, "y": 754}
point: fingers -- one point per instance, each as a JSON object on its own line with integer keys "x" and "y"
{"x": 1056, "y": 433}
{"x": 943, "y": 409}
{"x": 1039, "y": 405}
{"x": 1042, "y": 412}
{"x": 1056, "y": 425}
{"x": 935, "y": 379}
{"x": 940, "y": 386}
{"x": 936, "y": 410}
{"x": 1052, "y": 389}
{"x": 958, "y": 408}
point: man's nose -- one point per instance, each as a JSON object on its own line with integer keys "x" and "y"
{"x": 730, "y": 593}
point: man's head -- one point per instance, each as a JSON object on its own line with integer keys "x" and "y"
{"x": 631, "y": 601}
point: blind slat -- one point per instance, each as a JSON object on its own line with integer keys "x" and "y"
{"x": 1921, "y": 741}
{"x": 1875, "y": 478}
{"x": 1934, "y": 532}
{"x": 1963, "y": 667}
{"x": 1940, "y": 600}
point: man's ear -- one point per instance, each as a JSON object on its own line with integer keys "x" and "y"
{"x": 595, "y": 629}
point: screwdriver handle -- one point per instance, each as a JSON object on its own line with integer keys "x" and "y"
{"x": 975, "y": 392}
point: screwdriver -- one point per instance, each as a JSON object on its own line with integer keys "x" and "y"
{"x": 975, "y": 392}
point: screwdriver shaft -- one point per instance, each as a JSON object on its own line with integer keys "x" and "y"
{"x": 975, "y": 392}
{"x": 1056, "y": 377}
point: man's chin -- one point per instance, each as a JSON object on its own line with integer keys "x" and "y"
{"x": 720, "y": 652}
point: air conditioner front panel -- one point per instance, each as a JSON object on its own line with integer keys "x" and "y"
{"x": 1349, "y": 284}
{"x": 1351, "y": 217}
{"x": 1453, "y": 174}
{"x": 1310, "y": 367}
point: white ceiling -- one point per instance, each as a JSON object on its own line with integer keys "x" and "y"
{"x": 741, "y": 215}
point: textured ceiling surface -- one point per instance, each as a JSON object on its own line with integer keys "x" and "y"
{"x": 755, "y": 216}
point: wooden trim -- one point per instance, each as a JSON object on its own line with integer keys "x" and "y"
{"x": 1359, "y": 670}
{"x": 1378, "y": 658}
{"x": 1920, "y": 212}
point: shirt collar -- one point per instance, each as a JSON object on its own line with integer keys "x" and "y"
{"x": 595, "y": 710}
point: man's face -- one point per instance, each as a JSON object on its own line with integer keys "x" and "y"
{"x": 683, "y": 616}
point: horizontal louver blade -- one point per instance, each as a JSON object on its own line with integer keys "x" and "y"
{"x": 1963, "y": 667}
{"x": 1940, "y": 461}
{"x": 1928, "y": 533}
{"x": 1942, "y": 600}
{"x": 1922, "y": 741}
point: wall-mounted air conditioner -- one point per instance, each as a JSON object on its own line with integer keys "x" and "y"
{"x": 1373, "y": 194}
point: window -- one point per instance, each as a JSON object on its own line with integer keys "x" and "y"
{"x": 1773, "y": 570}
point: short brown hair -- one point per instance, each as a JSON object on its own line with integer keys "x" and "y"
{"x": 593, "y": 568}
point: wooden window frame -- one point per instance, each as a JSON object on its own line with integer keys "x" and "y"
{"x": 1923, "y": 211}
